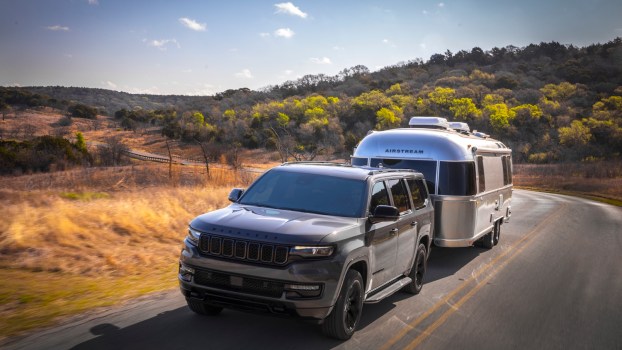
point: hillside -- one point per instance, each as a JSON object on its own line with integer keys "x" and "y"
{"x": 550, "y": 102}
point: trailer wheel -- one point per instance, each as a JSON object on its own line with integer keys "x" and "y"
{"x": 488, "y": 241}
{"x": 417, "y": 272}
{"x": 343, "y": 320}
{"x": 497, "y": 232}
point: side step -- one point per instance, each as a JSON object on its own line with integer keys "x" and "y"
{"x": 389, "y": 290}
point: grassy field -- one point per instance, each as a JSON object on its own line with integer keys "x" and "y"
{"x": 600, "y": 181}
{"x": 73, "y": 241}
{"x": 87, "y": 238}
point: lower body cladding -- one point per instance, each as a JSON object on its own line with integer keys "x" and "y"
{"x": 461, "y": 221}
{"x": 305, "y": 289}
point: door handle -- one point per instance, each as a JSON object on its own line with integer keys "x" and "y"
{"x": 393, "y": 232}
{"x": 413, "y": 224}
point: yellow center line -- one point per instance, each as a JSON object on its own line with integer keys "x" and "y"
{"x": 463, "y": 285}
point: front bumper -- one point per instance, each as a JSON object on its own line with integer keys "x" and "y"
{"x": 259, "y": 288}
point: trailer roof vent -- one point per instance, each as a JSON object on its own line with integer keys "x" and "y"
{"x": 460, "y": 127}
{"x": 480, "y": 134}
{"x": 429, "y": 123}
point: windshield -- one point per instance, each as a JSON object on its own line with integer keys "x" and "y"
{"x": 311, "y": 193}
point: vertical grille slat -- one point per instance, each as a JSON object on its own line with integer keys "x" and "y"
{"x": 215, "y": 245}
{"x": 240, "y": 249}
{"x": 266, "y": 252}
{"x": 227, "y": 248}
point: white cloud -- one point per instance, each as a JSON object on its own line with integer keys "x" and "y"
{"x": 264, "y": 35}
{"x": 244, "y": 74}
{"x": 186, "y": 70}
{"x": 93, "y": 2}
{"x": 338, "y": 48}
{"x": 288, "y": 72}
{"x": 289, "y": 9}
{"x": 57, "y": 28}
{"x": 388, "y": 42}
{"x": 192, "y": 24}
{"x": 108, "y": 84}
{"x": 441, "y": 4}
{"x": 423, "y": 46}
{"x": 153, "y": 90}
{"x": 425, "y": 12}
{"x": 162, "y": 44}
{"x": 323, "y": 60}
{"x": 284, "y": 33}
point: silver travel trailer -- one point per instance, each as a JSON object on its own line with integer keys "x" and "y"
{"x": 469, "y": 175}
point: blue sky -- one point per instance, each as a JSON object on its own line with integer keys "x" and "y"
{"x": 204, "y": 47}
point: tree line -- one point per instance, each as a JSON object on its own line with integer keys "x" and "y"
{"x": 549, "y": 102}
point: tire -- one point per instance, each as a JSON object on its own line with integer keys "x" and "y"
{"x": 345, "y": 316}
{"x": 417, "y": 272}
{"x": 497, "y": 232}
{"x": 488, "y": 241}
{"x": 202, "y": 308}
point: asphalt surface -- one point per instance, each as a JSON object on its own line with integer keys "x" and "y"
{"x": 553, "y": 282}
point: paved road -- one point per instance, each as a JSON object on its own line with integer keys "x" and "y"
{"x": 553, "y": 282}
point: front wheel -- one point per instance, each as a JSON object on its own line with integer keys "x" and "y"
{"x": 342, "y": 321}
{"x": 417, "y": 272}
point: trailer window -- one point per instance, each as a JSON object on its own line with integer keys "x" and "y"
{"x": 507, "y": 170}
{"x": 480, "y": 174}
{"x": 426, "y": 167}
{"x": 356, "y": 161}
{"x": 456, "y": 178}
{"x": 400, "y": 195}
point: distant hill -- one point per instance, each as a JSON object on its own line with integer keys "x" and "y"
{"x": 549, "y": 101}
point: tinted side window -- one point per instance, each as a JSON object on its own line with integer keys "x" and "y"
{"x": 417, "y": 192}
{"x": 480, "y": 174}
{"x": 400, "y": 195}
{"x": 379, "y": 196}
{"x": 456, "y": 178}
{"x": 359, "y": 161}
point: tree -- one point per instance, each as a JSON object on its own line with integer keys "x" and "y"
{"x": 83, "y": 111}
{"x": 559, "y": 92}
{"x": 575, "y": 135}
{"x": 80, "y": 142}
{"x": 464, "y": 109}
{"x": 386, "y": 119}
{"x": 500, "y": 115}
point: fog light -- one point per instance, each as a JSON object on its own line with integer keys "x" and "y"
{"x": 302, "y": 291}
{"x": 302, "y": 287}
{"x": 186, "y": 273}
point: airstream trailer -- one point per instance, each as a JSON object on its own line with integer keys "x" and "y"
{"x": 469, "y": 175}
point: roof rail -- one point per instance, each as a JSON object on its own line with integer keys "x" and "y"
{"x": 374, "y": 171}
{"x": 318, "y": 162}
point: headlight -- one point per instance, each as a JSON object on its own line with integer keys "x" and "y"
{"x": 193, "y": 236}
{"x": 311, "y": 251}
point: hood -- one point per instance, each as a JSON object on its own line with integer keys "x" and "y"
{"x": 273, "y": 225}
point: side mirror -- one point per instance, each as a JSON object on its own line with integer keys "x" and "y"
{"x": 384, "y": 213}
{"x": 235, "y": 194}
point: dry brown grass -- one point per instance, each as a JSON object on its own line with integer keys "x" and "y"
{"x": 600, "y": 180}
{"x": 76, "y": 240}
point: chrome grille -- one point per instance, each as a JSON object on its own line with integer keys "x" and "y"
{"x": 244, "y": 250}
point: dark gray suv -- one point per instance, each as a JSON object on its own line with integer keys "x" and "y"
{"x": 312, "y": 240}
